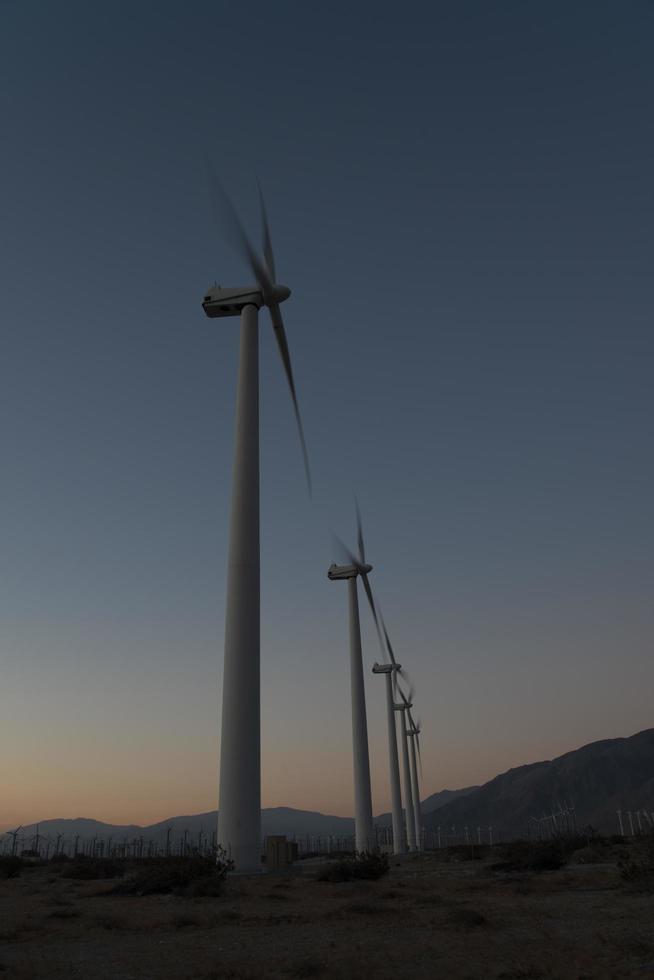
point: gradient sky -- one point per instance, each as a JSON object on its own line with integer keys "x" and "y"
{"x": 461, "y": 200}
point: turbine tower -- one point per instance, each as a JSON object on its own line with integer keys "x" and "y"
{"x": 363, "y": 828}
{"x": 399, "y": 836}
{"x": 412, "y": 799}
{"x": 402, "y": 706}
{"x": 414, "y": 733}
{"x": 239, "y": 821}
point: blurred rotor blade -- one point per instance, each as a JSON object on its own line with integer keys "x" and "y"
{"x": 353, "y": 560}
{"x": 230, "y": 225}
{"x": 344, "y": 550}
{"x": 362, "y": 550}
{"x": 418, "y": 727}
{"x": 373, "y": 610}
{"x": 406, "y": 678}
{"x": 282, "y": 343}
{"x": 267, "y": 241}
{"x": 389, "y": 648}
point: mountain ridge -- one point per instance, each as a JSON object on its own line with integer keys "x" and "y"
{"x": 599, "y": 778}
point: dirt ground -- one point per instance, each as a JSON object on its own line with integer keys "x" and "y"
{"x": 429, "y": 917}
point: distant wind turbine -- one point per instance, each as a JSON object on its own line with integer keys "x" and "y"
{"x": 401, "y": 706}
{"x": 414, "y": 734}
{"x": 358, "y": 567}
{"x": 399, "y": 836}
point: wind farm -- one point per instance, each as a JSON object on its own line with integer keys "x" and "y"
{"x": 325, "y": 538}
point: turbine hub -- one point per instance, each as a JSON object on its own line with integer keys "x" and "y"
{"x": 279, "y": 294}
{"x": 347, "y": 571}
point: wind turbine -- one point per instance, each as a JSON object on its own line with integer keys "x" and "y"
{"x": 411, "y": 792}
{"x": 358, "y": 567}
{"x": 239, "y": 821}
{"x": 403, "y": 706}
{"x": 414, "y": 734}
{"x": 399, "y": 836}
{"x": 392, "y": 669}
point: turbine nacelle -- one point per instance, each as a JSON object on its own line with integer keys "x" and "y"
{"x": 385, "y": 668}
{"x": 403, "y": 706}
{"x": 336, "y": 572}
{"x": 229, "y": 302}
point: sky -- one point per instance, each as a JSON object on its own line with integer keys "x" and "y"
{"x": 460, "y": 195}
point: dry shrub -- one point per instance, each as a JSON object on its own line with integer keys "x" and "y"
{"x": 10, "y": 866}
{"x": 459, "y": 915}
{"x": 637, "y": 865}
{"x": 367, "y": 867}
{"x": 192, "y": 876}
{"x": 549, "y": 855}
{"x": 358, "y": 908}
{"x": 65, "y": 913}
{"x": 85, "y": 868}
{"x": 186, "y": 921}
{"x": 306, "y": 968}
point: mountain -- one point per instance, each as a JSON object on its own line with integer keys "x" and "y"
{"x": 433, "y": 802}
{"x": 275, "y": 820}
{"x": 598, "y": 779}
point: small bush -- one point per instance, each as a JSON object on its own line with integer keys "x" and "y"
{"x": 65, "y": 913}
{"x": 637, "y": 866}
{"x": 548, "y": 855}
{"x": 367, "y": 867}
{"x": 469, "y": 918}
{"x": 10, "y": 866}
{"x": 91, "y": 869}
{"x": 306, "y": 968}
{"x": 195, "y": 876}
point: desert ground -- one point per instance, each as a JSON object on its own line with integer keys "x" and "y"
{"x": 443, "y": 914}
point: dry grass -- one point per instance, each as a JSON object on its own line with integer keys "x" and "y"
{"x": 457, "y": 919}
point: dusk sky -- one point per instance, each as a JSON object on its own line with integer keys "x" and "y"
{"x": 461, "y": 201}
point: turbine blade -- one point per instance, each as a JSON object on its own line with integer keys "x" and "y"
{"x": 373, "y": 610}
{"x": 362, "y": 550}
{"x": 344, "y": 551}
{"x": 353, "y": 560}
{"x": 407, "y": 679}
{"x": 230, "y": 225}
{"x": 389, "y": 648}
{"x": 284, "y": 353}
{"x": 417, "y": 738}
{"x": 267, "y": 241}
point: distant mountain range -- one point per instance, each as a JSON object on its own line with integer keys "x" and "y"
{"x": 597, "y": 779}
{"x": 275, "y": 820}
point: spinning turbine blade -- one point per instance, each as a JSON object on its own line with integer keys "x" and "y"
{"x": 389, "y": 648}
{"x": 417, "y": 738}
{"x": 267, "y": 241}
{"x": 408, "y": 697}
{"x": 230, "y": 223}
{"x": 362, "y": 550}
{"x": 282, "y": 344}
{"x": 353, "y": 560}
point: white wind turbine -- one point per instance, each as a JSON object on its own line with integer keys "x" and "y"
{"x": 411, "y": 790}
{"x": 239, "y": 821}
{"x": 358, "y": 567}
{"x": 403, "y": 707}
{"x": 399, "y": 836}
{"x": 392, "y": 669}
{"x": 414, "y": 734}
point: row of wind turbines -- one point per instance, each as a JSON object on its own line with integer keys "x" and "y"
{"x": 239, "y": 822}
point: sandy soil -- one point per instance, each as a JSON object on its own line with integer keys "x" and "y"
{"x": 429, "y": 917}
